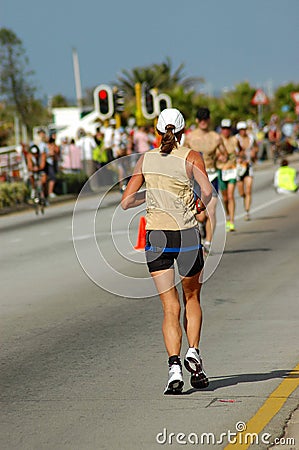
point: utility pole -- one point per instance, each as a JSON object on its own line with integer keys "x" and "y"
{"x": 17, "y": 130}
{"x": 77, "y": 79}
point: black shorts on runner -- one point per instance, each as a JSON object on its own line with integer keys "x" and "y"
{"x": 163, "y": 248}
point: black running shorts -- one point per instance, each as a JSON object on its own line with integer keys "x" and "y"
{"x": 163, "y": 248}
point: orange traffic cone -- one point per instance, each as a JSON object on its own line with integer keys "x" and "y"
{"x": 140, "y": 244}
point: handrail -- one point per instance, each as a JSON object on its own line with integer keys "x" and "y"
{"x": 12, "y": 164}
{"x": 11, "y": 148}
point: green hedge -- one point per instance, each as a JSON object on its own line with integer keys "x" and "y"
{"x": 70, "y": 183}
{"x": 13, "y": 194}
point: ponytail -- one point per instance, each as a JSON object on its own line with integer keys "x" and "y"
{"x": 169, "y": 140}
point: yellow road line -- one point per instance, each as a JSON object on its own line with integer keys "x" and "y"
{"x": 268, "y": 410}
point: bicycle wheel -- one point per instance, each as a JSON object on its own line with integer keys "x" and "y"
{"x": 42, "y": 205}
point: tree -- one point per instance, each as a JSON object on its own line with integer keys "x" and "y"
{"x": 15, "y": 86}
{"x": 282, "y": 97}
{"x": 237, "y": 103}
{"x": 59, "y": 101}
{"x": 160, "y": 76}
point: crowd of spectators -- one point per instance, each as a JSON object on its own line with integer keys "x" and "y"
{"x": 89, "y": 152}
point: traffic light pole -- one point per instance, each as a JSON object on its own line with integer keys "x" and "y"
{"x": 117, "y": 120}
{"x": 139, "y": 115}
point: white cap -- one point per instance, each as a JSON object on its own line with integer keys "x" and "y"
{"x": 241, "y": 125}
{"x": 170, "y": 116}
{"x": 226, "y": 123}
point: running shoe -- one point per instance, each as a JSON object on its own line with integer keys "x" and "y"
{"x": 175, "y": 380}
{"x": 232, "y": 227}
{"x": 207, "y": 248}
{"x": 228, "y": 225}
{"x": 194, "y": 365}
{"x": 247, "y": 216}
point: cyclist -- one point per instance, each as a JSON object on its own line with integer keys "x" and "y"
{"x": 37, "y": 164}
{"x": 173, "y": 235}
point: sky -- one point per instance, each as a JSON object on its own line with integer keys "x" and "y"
{"x": 225, "y": 42}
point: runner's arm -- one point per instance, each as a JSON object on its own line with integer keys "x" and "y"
{"x": 131, "y": 197}
{"x": 254, "y": 151}
{"x": 196, "y": 169}
{"x": 221, "y": 152}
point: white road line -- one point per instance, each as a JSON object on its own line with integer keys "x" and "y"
{"x": 264, "y": 205}
{"x": 103, "y": 233}
{"x": 258, "y": 208}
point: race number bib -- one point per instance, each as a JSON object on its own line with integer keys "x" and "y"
{"x": 229, "y": 174}
{"x": 212, "y": 174}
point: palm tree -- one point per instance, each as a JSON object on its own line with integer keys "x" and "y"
{"x": 160, "y": 76}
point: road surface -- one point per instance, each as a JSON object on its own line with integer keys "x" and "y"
{"x": 83, "y": 368}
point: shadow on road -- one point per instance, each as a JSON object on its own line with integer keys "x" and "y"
{"x": 247, "y": 250}
{"x": 257, "y": 232}
{"x": 270, "y": 217}
{"x": 232, "y": 380}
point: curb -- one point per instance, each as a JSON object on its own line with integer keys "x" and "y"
{"x": 27, "y": 206}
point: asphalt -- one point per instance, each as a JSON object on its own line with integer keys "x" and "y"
{"x": 83, "y": 369}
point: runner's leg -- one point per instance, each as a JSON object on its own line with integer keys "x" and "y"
{"x": 192, "y": 313}
{"x": 248, "y": 181}
{"x": 225, "y": 202}
{"x": 231, "y": 201}
{"x": 171, "y": 328}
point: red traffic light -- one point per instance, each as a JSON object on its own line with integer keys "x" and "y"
{"x": 103, "y": 94}
{"x": 103, "y": 101}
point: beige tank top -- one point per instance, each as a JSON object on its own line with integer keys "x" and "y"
{"x": 169, "y": 194}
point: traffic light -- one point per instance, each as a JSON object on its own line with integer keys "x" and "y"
{"x": 103, "y": 101}
{"x": 118, "y": 100}
{"x": 162, "y": 104}
{"x": 148, "y": 102}
{"x": 162, "y": 101}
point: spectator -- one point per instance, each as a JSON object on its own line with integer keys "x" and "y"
{"x": 286, "y": 179}
{"x": 75, "y": 157}
{"x": 87, "y": 143}
{"x": 52, "y": 166}
{"x": 71, "y": 158}
{"x": 109, "y": 133}
{"x": 141, "y": 140}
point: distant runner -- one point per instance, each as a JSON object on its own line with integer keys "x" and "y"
{"x": 210, "y": 145}
{"x": 247, "y": 155}
{"x": 228, "y": 173}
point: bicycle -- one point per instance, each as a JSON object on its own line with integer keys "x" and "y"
{"x": 38, "y": 198}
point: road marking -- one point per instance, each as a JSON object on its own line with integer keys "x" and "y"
{"x": 269, "y": 409}
{"x": 258, "y": 208}
{"x": 15, "y": 241}
{"x": 101, "y": 233}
